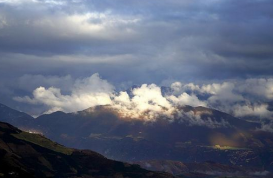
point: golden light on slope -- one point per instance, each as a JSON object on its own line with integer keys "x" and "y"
{"x": 219, "y": 140}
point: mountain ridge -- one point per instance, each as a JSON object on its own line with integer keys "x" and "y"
{"x": 134, "y": 140}
{"x": 19, "y": 157}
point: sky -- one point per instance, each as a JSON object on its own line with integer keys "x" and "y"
{"x": 214, "y": 53}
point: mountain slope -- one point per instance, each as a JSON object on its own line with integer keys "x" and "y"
{"x": 102, "y": 130}
{"x": 213, "y": 136}
{"x": 204, "y": 169}
{"x": 15, "y": 117}
{"x": 27, "y": 155}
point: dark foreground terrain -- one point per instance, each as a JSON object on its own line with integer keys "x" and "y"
{"x": 24, "y": 154}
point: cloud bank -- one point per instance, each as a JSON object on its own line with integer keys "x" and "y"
{"x": 149, "y": 102}
{"x": 146, "y": 40}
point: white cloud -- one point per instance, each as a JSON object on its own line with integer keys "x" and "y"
{"x": 222, "y": 92}
{"x": 180, "y": 88}
{"x": 17, "y": 1}
{"x": 186, "y": 99}
{"x": 91, "y": 25}
{"x": 193, "y": 118}
{"x": 147, "y": 101}
{"x": 85, "y": 93}
{"x": 54, "y": 2}
{"x": 268, "y": 127}
{"x": 22, "y": 2}
{"x": 223, "y": 96}
{"x": 260, "y": 111}
{"x": 258, "y": 87}
{"x": 148, "y": 95}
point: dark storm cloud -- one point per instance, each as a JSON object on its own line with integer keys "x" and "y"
{"x": 132, "y": 42}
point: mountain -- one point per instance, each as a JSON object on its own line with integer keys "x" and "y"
{"x": 102, "y": 130}
{"x": 23, "y": 154}
{"x": 203, "y": 170}
{"x": 15, "y": 117}
{"x": 200, "y": 135}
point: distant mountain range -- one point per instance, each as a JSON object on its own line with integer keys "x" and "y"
{"x": 206, "y": 169}
{"x": 213, "y": 136}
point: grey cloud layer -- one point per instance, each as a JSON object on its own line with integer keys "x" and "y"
{"x": 198, "y": 34}
{"x": 135, "y": 42}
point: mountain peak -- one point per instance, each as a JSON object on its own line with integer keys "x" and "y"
{"x": 12, "y": 116}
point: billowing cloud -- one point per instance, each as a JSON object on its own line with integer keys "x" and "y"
{"x": 146, "y": 103}
{"x": 85, "y": 93}
{"x": 186, "y": 99}
{"x": 258, "y": 87}
{"x": 150, "y": 102}
{"x": 256, "y": 110}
